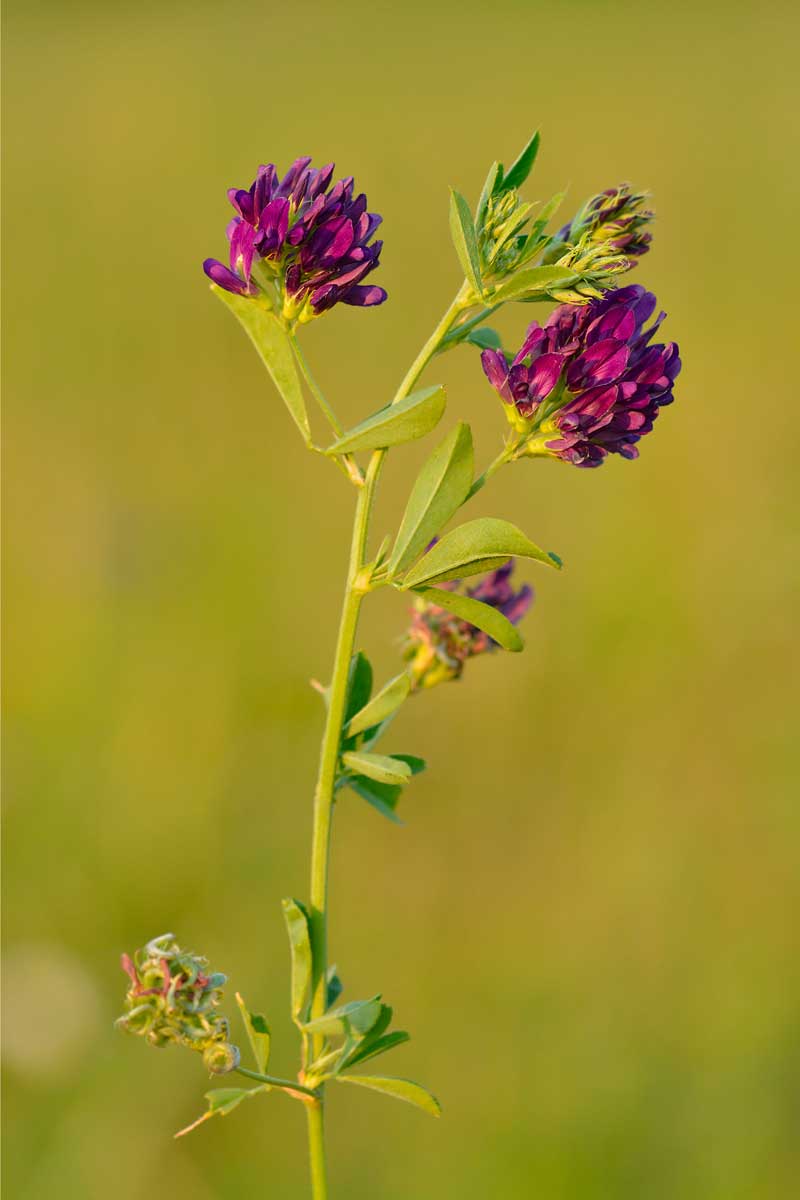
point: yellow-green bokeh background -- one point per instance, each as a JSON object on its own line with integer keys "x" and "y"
{"x": 589, "y": 919}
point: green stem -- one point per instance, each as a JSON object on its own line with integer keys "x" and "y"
{"x": 314, "y": 387}
{"x": 316, "y": 1152}
{"x": 346, "y": 461}
{"x": 329, "y": 754}
{"x": 290, "y": 1085}
{"x": 503, "y": 457}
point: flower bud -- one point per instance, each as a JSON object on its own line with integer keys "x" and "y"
{"x": 220, "y": 1058}
{"x": 439, "y": 643}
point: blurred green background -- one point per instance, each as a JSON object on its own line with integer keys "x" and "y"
{"x": 589, "y": 921}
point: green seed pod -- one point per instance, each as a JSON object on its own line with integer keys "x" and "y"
{"x": 221, "y": 1057}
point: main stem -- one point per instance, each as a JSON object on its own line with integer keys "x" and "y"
{"x": 329, "y": 755}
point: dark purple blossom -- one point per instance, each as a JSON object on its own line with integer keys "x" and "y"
{"x": 589, "y": 382}
{"x": 439, "y": 643}
{"x": 616, "y": 217}
{"x": 313, "y": 239}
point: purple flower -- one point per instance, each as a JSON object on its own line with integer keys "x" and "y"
{"x": 313, "y": 239}
{"x": 439, "y": 643}
{"x": 589, "y": 382}
{"x": 616, "y": 217}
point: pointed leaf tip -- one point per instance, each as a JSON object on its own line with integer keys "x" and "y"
{"x": 408, "y": 419}
{"x": 401, "y": 1089}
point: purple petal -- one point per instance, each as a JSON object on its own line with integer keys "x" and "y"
{"x": 364, "y": 297}
{"x": 219, "y": 274}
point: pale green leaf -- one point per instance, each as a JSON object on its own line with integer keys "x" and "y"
{"x": 387, "y": 701}
{"x": 495, "y": 175}
{"x": 466, "y": 243}
{"x": 470, "y": 549}
{"x": 222, "y": 1101}
{"x": 402, "y": 1089}
{"x": 489, "y": 619}
{"x": 258, "y": 1034}
{"x": 299, "y": 941}
{"x": 536, "y": 281}
{"x": 379, "y": 767}
{"x": 408, "y": 419}
{"x": 272, "y": 343}
{"x": 440, "y": 489}
{"x": 358, "y": 1016}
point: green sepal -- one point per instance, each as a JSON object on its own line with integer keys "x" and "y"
{"x": 522, "y": 166}
{"x": 401, "y": 1089}
{"x": 275, "y": 350}
{"x": 489, "y": 619}
{"x": 222, "y": 1101}
{"x": 465, "y": 240}
{"x": 300, "y": 944}
{"x": 408, "y": 419}
{"x": 382, "y": 705}
{"x": 470, "y": 549}
{"x": 380, "y": 767}
{"x": 258, "y": 1034}
{"x": 439, "y": 491}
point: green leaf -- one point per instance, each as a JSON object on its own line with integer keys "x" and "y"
{"x": 440, "y": 489}
{"x": 275, "y": 350}
{"x": 371, "y": 1048}
{"x": 489, "y": 619}
{"x": 408, "y": 419}
{"x": 222, "y": 1101}
{"x": 379, "y": 767}
{"x": 402, "y": 1089}
{"x": 334, "y": 988}
{"x": 536, "y": 281}
{"x": 495, "y": 175}
{"x": 415, "y": 765}
{"x": 539, "y": 225}
{"x": 382, "y": 796}
{"x": 258, "y": 1034}
{"x": 358, "y": 1016}
{"x": 473, "y": 548}
{"x": 485, "y": 338}
{"x": 300, "y": 943}
{"x": 462, "y": 231}
{"x": 388, "y": 699}
{"x": 359, "y": 684}
{"x": 521, "y": 168}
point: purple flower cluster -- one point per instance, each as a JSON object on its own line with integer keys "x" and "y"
{"x": 439, "y": 643}
{"x": 616, "y": 217}
{"x": 313, "y": 238}
{"x": 589, "y": 382}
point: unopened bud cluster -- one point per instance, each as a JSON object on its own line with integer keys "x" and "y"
{"x": 172, "y": 1000}
{"x": 438, "y": 643}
